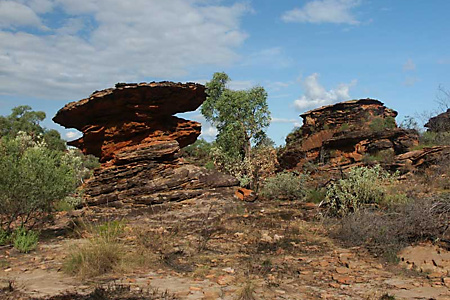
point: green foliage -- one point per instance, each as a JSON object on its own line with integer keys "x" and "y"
{"x": 344, "y": 127}
{"x": 363, "y": 185}
{"x": 249, "y": 171}
{"x": 33, "y": 177}
{"x": 25, "y": 240}
{"x": 23, "y": 119}
{"x": 111, "y": 230}
{"x": 294, "y": 135}
{"x": 199, "y": 153}
{"x": 5, "y": 237}
{"x": 380, "y": 124}
{"x": 316, "y": 195}
{"x": 429, "y": 139}
{"x": 240, "y": 116}
{"x": 285, "y": 185}
{"x": 82, "y": 165}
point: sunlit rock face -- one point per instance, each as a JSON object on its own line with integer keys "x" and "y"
{"x": 133, "y": 131}
{"x": 345, "y": 134}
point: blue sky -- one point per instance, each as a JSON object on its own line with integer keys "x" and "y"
{"x": 305, "y": 53}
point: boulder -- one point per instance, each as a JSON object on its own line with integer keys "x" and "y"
{"x": 346, "y": 134}
{"x": 132, "y": 130}
{"x": 439, "y": 123}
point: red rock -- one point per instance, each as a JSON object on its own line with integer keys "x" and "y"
{"x": 245, "y": 195}
{"x": 132, "y": 130}
{"x": 343, "y": 134}
{"x": 343, "y": 279}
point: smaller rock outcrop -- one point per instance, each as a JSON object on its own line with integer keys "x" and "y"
{"x": 439, "y": 123}
{"x": 133, "y": 131}
{"x": 346, "y": 133}
{"x": 419, "y": 160}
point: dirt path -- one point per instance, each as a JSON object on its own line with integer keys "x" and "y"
{"x": 276, "y": 250}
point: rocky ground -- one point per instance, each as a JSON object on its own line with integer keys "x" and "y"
{"x": 213, "y": 247}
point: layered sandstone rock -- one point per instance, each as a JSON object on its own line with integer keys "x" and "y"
{"x": 132, "y": 130}
{"x": 419, "y": 160}
{"x": 346, "y": 133}
{"x": 439, "y": 123}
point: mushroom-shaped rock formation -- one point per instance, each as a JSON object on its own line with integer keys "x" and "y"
{"x": 132, "y": 130}
{"x": 345, "y": 134}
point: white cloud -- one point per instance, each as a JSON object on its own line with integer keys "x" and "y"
{"x": 271, "y": 57}
{"x": 238, "y": 85}
{"x": 283, "y": 120}
{"x": 209, "y": 132}
{"x": 315, "y": 95}
{"x": 409, "y": 66}
{"x": 71, "y": 135}
{"x": 410, "y": 81}
{"x": 324, "y": 11}
{"x": 124, "y": 41}
{"x": 13, "y": 14}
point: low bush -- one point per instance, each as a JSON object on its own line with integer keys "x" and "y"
{"x": 386, "y": 232}
{"x": 363, "y": 185}
{"x": 379, "y": 124}
{"x": 285, "y": 185}
{"x": 102, "y": 253}
{"x": 429, "y": 139}
{"x": 25, "y": 240}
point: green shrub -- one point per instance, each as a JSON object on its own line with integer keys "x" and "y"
{"x": 363, "y": 185}
{"x": 316, "y": 195}
{"x": 429, "y": 139}
{"x": 380, "y": 124}
{"x": 199, "y": 153}
{"x": 25, "y": 240}
{"x": 5, "y": 237}
{"x": 33, "y": 178}
{"x": 344, "y": 127}
{"x": 284, "y": 185}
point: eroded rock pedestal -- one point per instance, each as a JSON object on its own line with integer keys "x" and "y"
{"x": 346, "y": 134}
{"x": 133, "y": 131}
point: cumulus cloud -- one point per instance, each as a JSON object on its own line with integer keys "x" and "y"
{"x": 409, "y": 66}
{"x": 13, "y": 14}
{"x": 324, "y": 11}
{"x": 315, "y": 95}
{"x": 209, "y": 132}
{"x": 101, "y": 42}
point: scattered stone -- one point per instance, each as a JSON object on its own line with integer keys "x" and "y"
{"x": 342, "y": 270}
{"x": 343, "y": 279}
{"x": 225, "y": 279}
{"x": 245, "y": 195}
{"x": 228, "y": 270}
